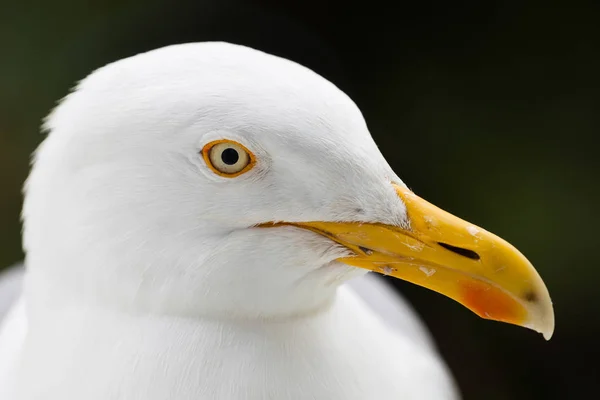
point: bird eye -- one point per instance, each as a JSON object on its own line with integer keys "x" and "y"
{"x": 228, "y": 158}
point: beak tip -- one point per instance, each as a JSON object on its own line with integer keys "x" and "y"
{"x": 548, "y": 331}
{"x": 544, "y": 323}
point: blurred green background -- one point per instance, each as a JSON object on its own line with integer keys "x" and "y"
{"x": 488, "y": 110}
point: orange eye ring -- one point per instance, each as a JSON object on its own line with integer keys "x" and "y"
{"x": 228, "y": 158}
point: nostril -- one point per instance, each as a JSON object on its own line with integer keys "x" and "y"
{"x": 365, "y": 250}
{"x": 460, "y": 251}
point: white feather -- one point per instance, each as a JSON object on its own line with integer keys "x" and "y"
{"x": 146, "y": 278}
{"x": 11, "y": 281}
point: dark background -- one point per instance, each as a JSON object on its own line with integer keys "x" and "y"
{"x": 488, "y": 110}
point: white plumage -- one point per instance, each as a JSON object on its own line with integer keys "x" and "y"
{"x": 146, "y": 276}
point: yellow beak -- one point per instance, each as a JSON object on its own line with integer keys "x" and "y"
{"x": 450, "y": 256}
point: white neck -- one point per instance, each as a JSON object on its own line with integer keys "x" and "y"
{"x": 242, "y": 274}
{"x": 331, "y": 355}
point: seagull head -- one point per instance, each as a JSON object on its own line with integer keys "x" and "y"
{"x": 210, "y": 178}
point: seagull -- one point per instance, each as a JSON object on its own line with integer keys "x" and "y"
{"x": 202, "y": 222}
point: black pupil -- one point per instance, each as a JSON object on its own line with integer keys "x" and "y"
{"x": 230, "y": 156}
